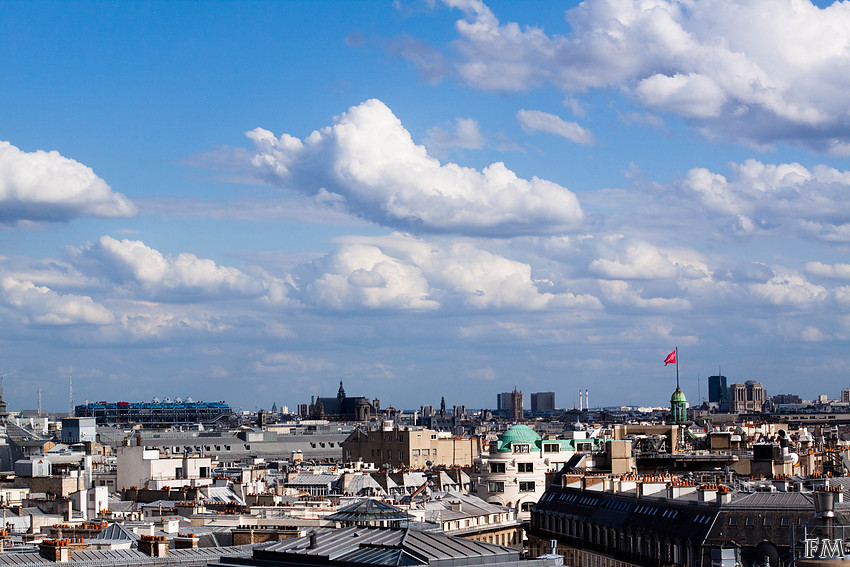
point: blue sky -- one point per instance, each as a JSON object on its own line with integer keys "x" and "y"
{"x": 251, "y": 201}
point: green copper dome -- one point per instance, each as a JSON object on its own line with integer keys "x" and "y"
{"x": 516, "y": 434}
{"x": 678, "y": 396}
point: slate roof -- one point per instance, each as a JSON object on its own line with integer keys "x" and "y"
{"x": 357, "y": 484}
{"x": 117, "y": 532}
{"x": 128, "y": 557}
{"x": 306, "y": 479}
{"x": 222, "y": 495}
{"x": 376, "y": 546}
{"x": 685, "y": 519}
{"x": 369, "y": 510}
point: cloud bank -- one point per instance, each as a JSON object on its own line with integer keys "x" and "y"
{"x": 752, "y": 71}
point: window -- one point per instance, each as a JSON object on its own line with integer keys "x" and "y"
{"x": 784, "y": 522}
{"x": 525, "y": 467}
{"x": 526, "y": 486}
{"x": 526, "y": 506}
{"x": 749, "y": 522}
{"x": 768, "y": 521}
{"x": 414, "y": 452}
{"x": 427, "y": 452}
{"x": 497, "y": 467}
{"x": 551, "y": 448}
{"x": 521, "y": 448}
{"x": 433, "y": 436}
{"x": 496, "y": 486}
{"x": 733, "y": 521}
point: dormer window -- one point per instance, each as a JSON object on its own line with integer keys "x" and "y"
{"x": 521, "y": 448}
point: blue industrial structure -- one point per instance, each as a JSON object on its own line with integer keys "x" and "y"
{"x": 155, "y": 412}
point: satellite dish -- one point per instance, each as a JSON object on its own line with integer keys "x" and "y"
{"x": 766, "y": 555}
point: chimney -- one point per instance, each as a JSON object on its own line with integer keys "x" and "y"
{"x": 154, "y": 546}
{"x": 724, "y": 496}
{"x": 457, "y": 506}
{"x": 59, "y": 550}
{"x": 185, "y": 541}
{"x": 708, "y": 493}
{"x": 313, "y": 544}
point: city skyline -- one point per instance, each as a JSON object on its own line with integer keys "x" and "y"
{"x": 251, "y": 201}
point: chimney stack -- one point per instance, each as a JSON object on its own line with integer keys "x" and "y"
{"x": 154, "y": 546}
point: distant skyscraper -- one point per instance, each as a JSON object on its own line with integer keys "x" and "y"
{"x": 503, "y": 401}
{"x": 542, "y": 401}
{"x": 845, "y": 395}
{"x": 718, "y": 392}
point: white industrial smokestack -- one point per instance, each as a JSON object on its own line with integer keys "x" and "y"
{"x": 586, "y": 400}
{"x": 579, "y": 400}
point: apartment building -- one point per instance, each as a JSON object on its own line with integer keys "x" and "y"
{"x": 391, "y": 446}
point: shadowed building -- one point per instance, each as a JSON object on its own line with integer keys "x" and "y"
{"x": 718, "y": 392}
{"x": 542, "y": 402}
{"x": 342, "y": 407}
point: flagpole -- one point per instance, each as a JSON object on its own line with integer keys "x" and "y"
{"x": 677, "y": 367}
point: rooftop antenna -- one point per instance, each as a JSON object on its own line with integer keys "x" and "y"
{"x": 70, "y": 395}
{"x": 39, "y": 401}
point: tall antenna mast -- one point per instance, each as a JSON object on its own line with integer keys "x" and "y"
{"x": 39, "y": 401}
{"x": 70, "y": 395}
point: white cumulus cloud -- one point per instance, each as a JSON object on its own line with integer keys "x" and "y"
{"x": 790, "y": 290}
{"x": 832, "y": 271}
{"x": 41, "y": 305}
{"x": 760, "y": 197}
{"x": 403, "y": 272}
{"x": 45, "y": 186}
{"x": 629, "y": 258}
{"x": 369, "y": 160}
{"x": 133, "y": 262}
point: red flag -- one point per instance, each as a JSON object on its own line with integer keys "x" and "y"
{"x": 671, "y": 358}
